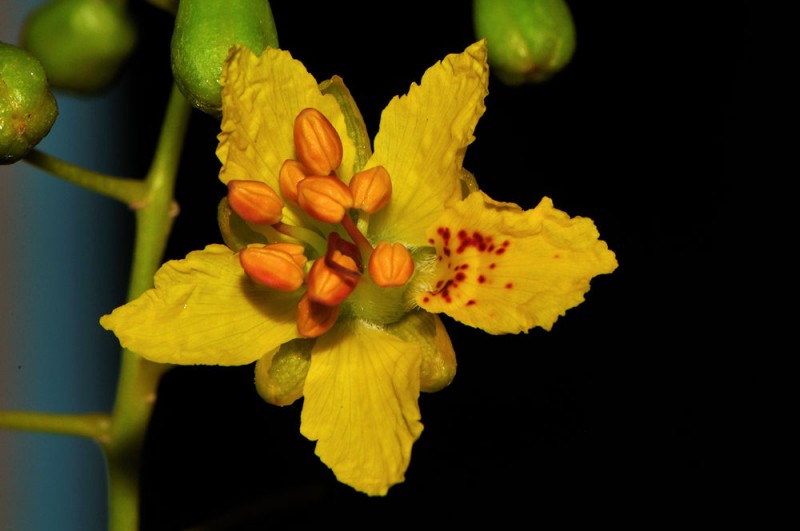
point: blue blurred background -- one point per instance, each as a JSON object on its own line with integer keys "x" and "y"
{"x": 61, "y": 252}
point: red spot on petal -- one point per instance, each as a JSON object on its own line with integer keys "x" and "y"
{"x": 509, "y": 285}
{"x": 481, "y": 279}
{"x": 556, "y": 256}
{"x": 500, "y": 250}
{"x": 425, "y": 299}
{"x": 470, "y": 302}
{"x": 431, "y": 241}
{"x": 461, "y": 276}
{"x": 492, "y": 265}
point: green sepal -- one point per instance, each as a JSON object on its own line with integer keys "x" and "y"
{"x": 280, "y": 375}
{"x": 236, "y": 233}
{"x": 438, "y": 368}
{"x": 356, "y": 128}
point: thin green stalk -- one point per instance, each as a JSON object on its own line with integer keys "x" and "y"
{"x": 138, "y": 381}
{"x": 129, "y": 191}
{"x": 93, "y": 425}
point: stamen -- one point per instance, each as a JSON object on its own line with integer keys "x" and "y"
{"x": 255, "y": 202}
{"x": 324, "y": 198}
{"x": 326, "y": 285}
{"x": 313, "y": 318}
{"x": 390, "y": 264}
{"x": 371, "y": 189}
{"x": 291, "y": 173}
{"x": 279, "y": 265}
{"x": 317, "y": 144}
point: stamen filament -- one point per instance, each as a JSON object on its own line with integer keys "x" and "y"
{"x": 304, "y": 235}
{"x": 364, "y": 247}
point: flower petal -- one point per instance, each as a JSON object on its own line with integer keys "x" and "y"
{"x": 422, "y": 140}
{"x": 361, "y": 407}
{"x": 506, "y": 270}
{"x": 204, "y": 310}
{"x": 261, "y": 97}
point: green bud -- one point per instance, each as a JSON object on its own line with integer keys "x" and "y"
{"x": 205, "y": 30}
{"x": 81, "y": 43}
{"x": 528, "y": 40}
{"x": 27, "y": 107}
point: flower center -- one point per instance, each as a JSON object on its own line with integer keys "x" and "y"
{"x": 310, "y": 181}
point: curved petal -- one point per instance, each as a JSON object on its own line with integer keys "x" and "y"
{"x": 360, "y": 405}
{"x": 204, "y": 310}
{"x": 422, "y": 140}
{"x": 261, "y": 97}
{"x": 506, "y": 270}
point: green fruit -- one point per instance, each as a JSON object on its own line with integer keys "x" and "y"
{"x": 527, "y": 40}
{"x": 82, "y": 44}
{"x": 27, "y": 107}
{"x": 204, "y": 32}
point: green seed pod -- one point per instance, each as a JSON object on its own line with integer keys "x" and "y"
{"x": 205, "y": 30}
{"x": 27, "y": 107}
{"x": 528, "y": 40}
{"x": 82, "y": 44}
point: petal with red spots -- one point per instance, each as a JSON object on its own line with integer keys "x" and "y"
{"x": 506, "y": 270}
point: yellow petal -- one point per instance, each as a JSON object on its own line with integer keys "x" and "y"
{"x": 204, "y": 310}
{"x": 438, "y": 366}
{"x": 361, "y": 407}
{"x": 261, "y": 97}
{"x": 507, "y": 270}
{"x": 422, "y": 140}
{"x": 280, "y": 374}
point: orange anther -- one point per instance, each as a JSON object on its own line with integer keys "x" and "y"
{"x": 316, "y": 142}
{"x": 371, "y": 189}
{"x": 324, "y": 198}
{"x": 279, "y": 266}
{"x": 328, "y": 286}
{"x": 255, "y": 202}
{"x": 291, "y": 173}
{"x": 313, "y": 318}
{"x": 390, "y": 264}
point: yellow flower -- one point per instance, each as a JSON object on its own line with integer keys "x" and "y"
{"x": 333, "y": 285}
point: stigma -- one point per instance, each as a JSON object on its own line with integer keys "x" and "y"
{"x": 324, "y": 278}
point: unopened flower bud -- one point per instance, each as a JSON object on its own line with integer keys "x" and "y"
{"x": 279, "y": 266}
{"x": 313, "y": 318}
{"x": 390, "y": 264}
{"x": 255, "y": 202}
{"x": 27, "y": 107}
{"x": 290, "y": 175}
{"x": 324, "y": 198}
{"x": 316, "y": 142}
{"x": 205, "y": 31}
{"x": 527, "y": 40}
{"x": 371, "y": 189}
{"x": 82, "y": 44}
{"x": 330, "y": 286}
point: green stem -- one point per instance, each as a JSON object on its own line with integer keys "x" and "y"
{"x": 129, "y": 191}
{"x": 93, "y": 425}
{"x": 138, "y": 381}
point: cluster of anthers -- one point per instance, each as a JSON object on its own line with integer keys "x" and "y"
{"x": 311, "y": 183}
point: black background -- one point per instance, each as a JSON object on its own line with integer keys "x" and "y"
{"x": 610, "y": 417}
